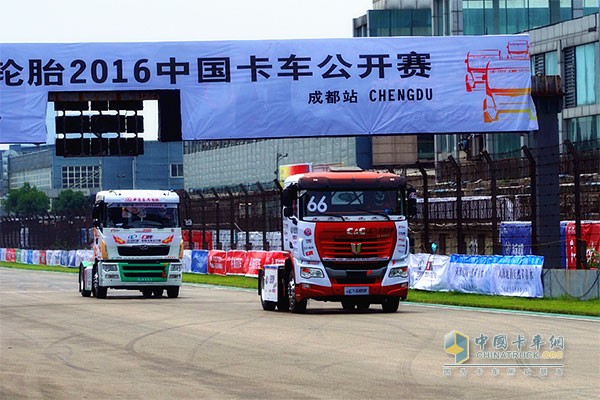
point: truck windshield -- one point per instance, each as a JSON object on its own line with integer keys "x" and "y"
{"x": 128, "y": 215}
{"x": 348, "y": 203}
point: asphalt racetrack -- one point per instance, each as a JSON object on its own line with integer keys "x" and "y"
{"x": 217, "y": 343}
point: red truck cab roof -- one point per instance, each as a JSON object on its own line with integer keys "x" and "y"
{"x": 348, "y": 180}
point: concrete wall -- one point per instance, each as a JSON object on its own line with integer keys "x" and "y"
{"x": 581, "y": 284}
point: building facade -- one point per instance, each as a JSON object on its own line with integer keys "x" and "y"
{"x": 230, "y": 163}
{"x": 160, "y": 167}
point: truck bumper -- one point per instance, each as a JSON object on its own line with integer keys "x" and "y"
{"x": 337, "y": 292}
{"x": 139, "y": 274}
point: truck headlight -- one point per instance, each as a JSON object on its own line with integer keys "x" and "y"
{"x": 401, "y": 272}
{"x": 108, "y": 267}
{"x": 307, "y": 273}
{"x": 176, "y": 267}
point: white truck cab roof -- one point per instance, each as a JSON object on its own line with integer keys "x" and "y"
{"x": 137, "y": 196}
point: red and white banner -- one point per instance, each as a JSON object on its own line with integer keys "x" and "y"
{"x": 255, "y": 260}
{"x": 590, "y": 234}
{"x": 217, "y": 262}
{"x": 235, "y": 262}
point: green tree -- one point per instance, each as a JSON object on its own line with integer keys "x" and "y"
{"x": 27, "y": 201}
{"x": 69, "y": 201}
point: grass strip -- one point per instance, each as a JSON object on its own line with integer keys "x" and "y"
{"x": 562, "y": 305}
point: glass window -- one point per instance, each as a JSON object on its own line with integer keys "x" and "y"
{"x": 590, "y": 7}
{"x": 516, "y": 16}
{"x": 585, "y": 74}
{"x": 551, "y": 63}
{"x": 318, "y": 204}
{"x": 566, "y": 10}
{"x": 584, "y": 132}
{"x": 539, "y": 13}
{"x": 176, "y": 170}
{"x": 473, "y": 20}
{"x": 138, "y": 215}
{"x": 425, "y": 150}
{"x": 80, "y": 177}
{"x": 421, "y": 22}
{"x": 400, "y": 23}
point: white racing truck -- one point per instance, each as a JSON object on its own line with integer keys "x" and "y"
{"x": 137, "y": 244}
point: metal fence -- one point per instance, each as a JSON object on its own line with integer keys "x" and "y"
{"x": 460, "y": 209}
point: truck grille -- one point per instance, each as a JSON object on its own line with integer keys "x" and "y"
{"x": 141, "y": 251}
{"x": 356, "y": 277}
{"x": 369, "y": 242}
{"x": 153, "y": 272}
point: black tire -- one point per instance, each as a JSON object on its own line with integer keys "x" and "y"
{"x": 98, "y": 291}
{"x": 147, "y": 293}
{"x": 173, "y": 292}
{"x": 390, "y": 304}
{"x": 266, "y": 305}
{"x": 84, "y": 293}
{"x": 283, "y": 301}
{"x": 102, "y": 292}
{"x": 297, "y": 307}
{"x": 348, "y": 305}
{"x": 362, "y": 305}
{"x": 158, "y": 292}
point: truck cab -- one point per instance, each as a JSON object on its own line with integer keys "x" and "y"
{"x": 346, "y": 236}
{"x": 137, "y": 244}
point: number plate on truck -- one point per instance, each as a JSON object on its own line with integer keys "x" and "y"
{"x": 356, "y": 291}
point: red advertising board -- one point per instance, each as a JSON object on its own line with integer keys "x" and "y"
{"x": 11, "y": 255}
{"x": 255, "y": 260}
{"x": 217, "y": 262}
{"x": 590, "y": 234}
{"x": 235, "y": 262}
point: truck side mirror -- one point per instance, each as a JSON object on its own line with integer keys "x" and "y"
{"x": 288, "y": 211}
{"x": 411, "y": 202}
{"x": 288, "y": 196}
{"x": 96, "y": 211}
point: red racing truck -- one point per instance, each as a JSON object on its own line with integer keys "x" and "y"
{"x": 345, "y": 239}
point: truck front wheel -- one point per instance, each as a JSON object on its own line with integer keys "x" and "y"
{"x": 390, "y": 304}
{"x": 348, "y": 305}
{"x": 298, "y": 307}
{"x": 82, "y": 290}
{"x": 98, "y": 291}
{"x": 173, "y": 292}
{"x": 266, "y": 305}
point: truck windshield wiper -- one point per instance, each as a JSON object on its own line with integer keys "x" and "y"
{"x": 327, "y": 215}
{"x": 375, "y": 213}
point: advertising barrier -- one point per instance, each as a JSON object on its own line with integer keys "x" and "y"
{"x": 470, "y": 274}
{"x": 255, "y": 260}
{"x": 199, "y": 262}
{"x": 490, "y": 275}
{"x": 235, "y": 260}
{"x": 217, "y": 262}
{"x": 429, "y": 272}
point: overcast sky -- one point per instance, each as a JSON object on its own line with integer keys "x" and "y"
{"x": 176, "y": 20}
{"x": 63, "y": 21}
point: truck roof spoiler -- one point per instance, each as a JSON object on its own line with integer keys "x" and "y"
{"x": 345, "y": 169}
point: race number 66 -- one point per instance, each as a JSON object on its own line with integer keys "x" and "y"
{"x": 321, "y": 206}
